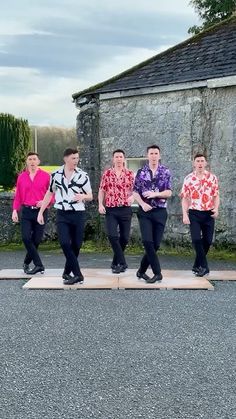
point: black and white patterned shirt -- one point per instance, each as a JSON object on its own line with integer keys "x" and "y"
{"x": 65, "y": 190}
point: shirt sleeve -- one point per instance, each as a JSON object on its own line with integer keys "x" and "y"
{"x": 137, "y": 182}
{"x": 52, "y": 185}
{"x": 87, "y": 186}
{"x": 168, "y": 183}
{"x": 185, "y": 192}
{"x": 17, "y": 202}
{"x": 215, "y": 187}
{"x": 103, "y": 183}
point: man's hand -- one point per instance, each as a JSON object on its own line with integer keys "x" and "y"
{"x": 186, "y": 219}
{"x": 149, "y": 194}
{"x": 78, "y": 197}
{"x": 40, "y": 219}
{"x": 101, "y": 209}
{"x": 146, "y": 207}
{"x": 215, "y": 213}
{"x": 15, "y": 217}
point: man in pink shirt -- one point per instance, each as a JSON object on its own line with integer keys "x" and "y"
{"x": 32, "y": 184}
{"x": 200, "y": 205}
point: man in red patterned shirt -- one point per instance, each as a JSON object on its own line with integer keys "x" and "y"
{"x": 200, "y": 204}
{"x": 115, "y": 199}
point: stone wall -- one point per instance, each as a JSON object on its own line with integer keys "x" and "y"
{"x": 10, "y": 232}
{"x": 181, "y": 123}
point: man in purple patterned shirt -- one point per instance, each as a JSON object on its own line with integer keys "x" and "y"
{"x": 152, "y": 187}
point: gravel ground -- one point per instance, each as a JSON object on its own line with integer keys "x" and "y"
{"x": 117, "y": 354}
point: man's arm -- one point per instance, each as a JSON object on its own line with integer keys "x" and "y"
{"x": 152, "y": 194}
{"x": 185, "y": 208}
{"x": 216, "y": 206}
{"x": 146, "y": 207}
{"x": 46, "y": 201}
{"x": 101, "y": 196}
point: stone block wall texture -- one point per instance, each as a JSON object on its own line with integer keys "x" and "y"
{"x": 181, "y": 123}
{"x": 10, "y": 232}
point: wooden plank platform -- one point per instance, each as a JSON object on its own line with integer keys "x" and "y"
{"x": 171, "y": 280}
{"x": 104, "y": 279}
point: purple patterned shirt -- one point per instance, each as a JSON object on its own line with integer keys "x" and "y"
{"x": 145, "y": 181}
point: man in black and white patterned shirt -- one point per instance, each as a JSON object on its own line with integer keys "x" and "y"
{"x": 72, "y": 189}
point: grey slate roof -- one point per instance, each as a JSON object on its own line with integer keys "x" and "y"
{"x": 211, "y": 54}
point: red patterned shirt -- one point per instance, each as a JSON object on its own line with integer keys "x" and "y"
{"x": 117, "y": 188}
{"x": 200, "y": 192}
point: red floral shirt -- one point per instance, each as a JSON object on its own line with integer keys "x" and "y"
{"x": 200, "y": 192}
{"x": 117, "y": 188}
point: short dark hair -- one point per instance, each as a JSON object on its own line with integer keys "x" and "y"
{"x": 118, "y": 150}
{"x": 199, "y": 155}
{"x": 68, "y": 151}
{"x": 153, "y": 146}
{"x": 32, "y": 153}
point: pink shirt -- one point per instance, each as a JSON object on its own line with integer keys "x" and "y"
{"x": 29, "y": 192}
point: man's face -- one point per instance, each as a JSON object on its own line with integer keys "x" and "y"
{"x": 118, "y": 159}
{"x": 32, "y": 162}
{"x": 72, "y": 160}
{"x": 153, "y": 156}
{"x": 200, "y": 164}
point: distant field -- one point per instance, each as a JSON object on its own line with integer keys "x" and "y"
{"x": 49, "y": 169}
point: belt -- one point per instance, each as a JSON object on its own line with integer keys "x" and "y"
{"x": 33, "y": 207}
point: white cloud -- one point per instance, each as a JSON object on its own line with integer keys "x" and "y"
{"x": 56, "y": 49}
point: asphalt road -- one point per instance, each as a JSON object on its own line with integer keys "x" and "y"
{"x": 116, "y": 354}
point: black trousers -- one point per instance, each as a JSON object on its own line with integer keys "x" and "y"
{"x": 152, "y": 224}
{"x": 118, "y": 222}
{"x": 32, "y": 234}
{"x": 202, "y": 230}
{"x": 70, "y": 230}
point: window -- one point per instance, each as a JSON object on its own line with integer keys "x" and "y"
{"x": 134, "y": 163}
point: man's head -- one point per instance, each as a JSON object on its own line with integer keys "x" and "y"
{"x": 118, "y": 158}
{"x": 32, "y": 160}
{"x": 199, "y": 162}
{"x": 153, "y": 154}
{"x": 71, "y": 157}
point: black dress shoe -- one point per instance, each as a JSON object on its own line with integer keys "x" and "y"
{"x": 155, "y": 278}
{"x": 202, "y": 271}
{"x": 123, "y": 267}
{"x": 142, "y": 275}
{"x": 195, "y": 270}
{"x": 116, "y": 269}
{"x": 74, "y": 279}
{"x": 66, "y": 276}
{"x": 36, "y": 270}
{"x": 25, "y": 268}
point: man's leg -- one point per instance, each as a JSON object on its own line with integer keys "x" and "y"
{"x": 64, "y": 237}
{"x": 124, "y": 222}
{"x": 207, "y": 233}
{"x": 196, "y": 219}
{"x": 112, "y": 232}
{"x": 77, "y": 235}
{"x": 150, "y": 258}
{"x": 27, "y": 226}
{"x": 37, "y": 234}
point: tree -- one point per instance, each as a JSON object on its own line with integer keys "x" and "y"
{"x": 15, "y": 140}
{"x": 52, "y": 141}
{"x": 211, "y": 12}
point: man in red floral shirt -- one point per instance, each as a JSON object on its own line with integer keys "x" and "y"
{"x": 115, "y": 199}
{"x": 200, "y": 204}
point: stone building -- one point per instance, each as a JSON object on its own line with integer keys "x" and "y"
{"x": 184, "y": 100}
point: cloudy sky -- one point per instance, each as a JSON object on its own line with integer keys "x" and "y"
{"x": 52, "y": 49}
